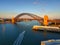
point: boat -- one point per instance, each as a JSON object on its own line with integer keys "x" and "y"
{"x": 51, "y": 42}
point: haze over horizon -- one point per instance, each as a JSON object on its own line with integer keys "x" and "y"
{"x": 9, "y": 8}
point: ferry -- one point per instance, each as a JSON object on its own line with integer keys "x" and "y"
{"x": 51, "y": 42}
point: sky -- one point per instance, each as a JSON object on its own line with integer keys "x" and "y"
{"x": 9, "y": 8}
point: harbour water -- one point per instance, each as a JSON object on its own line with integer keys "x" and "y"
{"x": 10, "y": 32}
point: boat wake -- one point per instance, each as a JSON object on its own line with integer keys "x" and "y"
{"x": 19, "y": 39}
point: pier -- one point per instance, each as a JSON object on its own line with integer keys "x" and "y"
{"x": 46, "y": 28}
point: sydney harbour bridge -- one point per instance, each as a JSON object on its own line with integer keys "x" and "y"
{"x": 26, "y": 17}
{"x": 33, "y": 17}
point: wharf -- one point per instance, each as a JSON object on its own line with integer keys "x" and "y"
{"x": 46, "y": 28}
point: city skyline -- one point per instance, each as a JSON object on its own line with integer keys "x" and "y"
{"x": 9, "y": 8}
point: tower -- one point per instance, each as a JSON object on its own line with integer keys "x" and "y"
{"x": 13, "y": 20}
{"x": 45, "y": 20}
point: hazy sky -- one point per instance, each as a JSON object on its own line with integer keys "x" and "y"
{"x": 9, "y": 8}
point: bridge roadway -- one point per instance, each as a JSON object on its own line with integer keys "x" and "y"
{"x": 22, "y": 19}
{"x": 27, "y": 19}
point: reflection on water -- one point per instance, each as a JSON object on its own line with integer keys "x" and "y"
{"x": 45, "y": 34}
{"x": 12, "y": 31}
{"x": 3, "y": 28}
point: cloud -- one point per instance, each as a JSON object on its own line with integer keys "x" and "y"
{"x": 43, "y": 10}
{"x": 36, "y": 2}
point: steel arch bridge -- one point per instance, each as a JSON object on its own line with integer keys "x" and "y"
{"x": 35, "y": 17}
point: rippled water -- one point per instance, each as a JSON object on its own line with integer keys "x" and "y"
{"x": 10, "y": 32}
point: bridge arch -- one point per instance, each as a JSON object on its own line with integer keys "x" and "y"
{"x": 29, "y": 14}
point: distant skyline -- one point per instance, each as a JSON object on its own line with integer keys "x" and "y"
{"x": 9, "y": 8}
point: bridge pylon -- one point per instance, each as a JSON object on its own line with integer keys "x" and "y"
{"x": 45, "y": 20}
{"x": 13, "y": 20}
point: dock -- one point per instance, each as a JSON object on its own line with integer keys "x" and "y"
{"x": 51, "y": 42}
{"x": 46, "y": 28}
